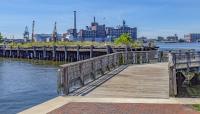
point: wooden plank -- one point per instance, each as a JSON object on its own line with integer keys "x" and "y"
{"x": 137, "y": 81}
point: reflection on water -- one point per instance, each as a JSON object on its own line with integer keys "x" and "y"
{"x": 175, "y": 46}
{"x": 25, "y": 83}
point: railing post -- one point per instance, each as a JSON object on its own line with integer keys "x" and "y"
{"x": 93, "y": 70}
{"x": 134, "y": 58}
{"x": 141, "y": 57}
{"x": 101, "y": 63}
{"x": 172, "y": 74}
{"x": 81, "y": 75}
{"x": 63, "y": 82}
{"x": 188, "y": 61}
{"x": 147, "y": 57}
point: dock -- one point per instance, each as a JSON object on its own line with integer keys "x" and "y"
{"x": 137, "y": 81}
{"x": 121, "y": 79}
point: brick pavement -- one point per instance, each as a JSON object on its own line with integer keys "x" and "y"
{"x": 123, "y": 108}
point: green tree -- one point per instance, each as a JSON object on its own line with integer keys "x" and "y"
{"x": 124, "y": 39}
{"x": 1, "y": 38}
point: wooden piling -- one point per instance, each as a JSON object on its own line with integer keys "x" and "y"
{"x": 65, "y": 51}
{"x": 78, "y": 53}
{"x": 91, "y": 51}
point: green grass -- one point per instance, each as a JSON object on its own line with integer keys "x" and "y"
{"x": 27, "y": 45}
{"x": 85, "y": 43}
{"x": 197, "y": 107}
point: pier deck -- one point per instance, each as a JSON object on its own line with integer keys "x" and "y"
{"x": 137, "y": 81}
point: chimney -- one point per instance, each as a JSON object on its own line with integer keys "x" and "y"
{"x": 94, "y": 19}
{"x": 74, "y": 19}
{"x": 33, "y": 30}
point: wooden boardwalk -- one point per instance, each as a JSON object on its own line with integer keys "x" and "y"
{"x": 137, "y": 81}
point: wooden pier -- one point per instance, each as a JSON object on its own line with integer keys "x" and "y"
{"x": 136, "y": 81}
{"x": 98, "y": 77}
{"x": 181, "y": 67}
{"x": 83, "y": 73}
{"x": 64, "y": 53}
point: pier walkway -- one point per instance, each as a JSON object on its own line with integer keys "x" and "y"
{"x": 137, "y": 81}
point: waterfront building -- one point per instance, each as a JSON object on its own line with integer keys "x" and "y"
{"x": 192, "y": 37}
{"x": 116, "y": 32}
{"x": 13, "y": 40}
{"x": 160, "y": 39}
{"x": 46, "y": 37}
{"x": 71, "y": 34}
{"x": 143, "y": 39}
{"x": 95, "y": 32}
{"x": 172, "y": 38}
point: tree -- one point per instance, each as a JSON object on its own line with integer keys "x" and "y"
{"x": 124, "y": 39}
{"x": 1, "y": 38}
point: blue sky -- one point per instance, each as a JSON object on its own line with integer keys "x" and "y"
{"x": 152, "y": 17}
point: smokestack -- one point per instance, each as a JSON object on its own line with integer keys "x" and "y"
{"x": 33, "y": 31}
{"x": 74, "y": 19}
{"x": 94, "y": 19}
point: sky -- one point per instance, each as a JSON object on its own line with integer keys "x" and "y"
{"x": 152, "y": 17}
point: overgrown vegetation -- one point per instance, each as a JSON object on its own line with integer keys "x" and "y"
{"x": 123, "y": 40}
{"x": 197, "y": 107}
{"x": 127, "y": 40}
{"x": 49, "y": 44}
{"x": 1, "y": 38}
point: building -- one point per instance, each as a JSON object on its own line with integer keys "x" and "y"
{"x": 143, "y": 39}
{"x": 95, "y": 32}
{"x": 172, "y": 38}
{"x": 116, "y": 32}
{"x": 71, "y": 34}
{"x": 160, "y": 39}
{"x": 45, "y": 37}
{"x": 193, "y": 37}
{"x": 13, "y": 40}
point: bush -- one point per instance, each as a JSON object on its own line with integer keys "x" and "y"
{"x": 126, "y": 40}
{"x": 1, "y": 38}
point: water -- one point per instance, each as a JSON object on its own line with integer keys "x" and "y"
{"x": 167, "y": 46}
{"x": 25, "y": 84}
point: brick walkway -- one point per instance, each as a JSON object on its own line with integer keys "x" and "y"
{"x": 108, "y": 108}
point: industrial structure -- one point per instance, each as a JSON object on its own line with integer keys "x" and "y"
{"x": 26, "y": 34}
{"x": 54, "y": 37}
{"x": 33, "y": 31}
{"x": 94, "y": 32}
{"x": 192, "y": 37}
{"x": 98, "y": 32}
